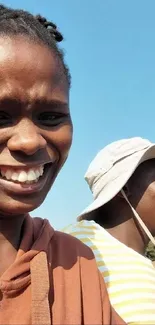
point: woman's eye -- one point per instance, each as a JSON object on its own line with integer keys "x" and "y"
{"x": 51, "y": 118}
{"x": 5, "y": 119}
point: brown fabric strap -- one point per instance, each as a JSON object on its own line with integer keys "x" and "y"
{"x": 40, "y": 290}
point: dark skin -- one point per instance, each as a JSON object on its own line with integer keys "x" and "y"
{"x": 35, "y": 129}
{"x": 117, "y": 217}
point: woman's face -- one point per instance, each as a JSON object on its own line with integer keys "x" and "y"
{"x": 35, "y": 124}
{"x": 142, "y": 189}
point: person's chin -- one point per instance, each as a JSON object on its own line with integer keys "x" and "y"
{"x": 17, "y": 209}
{"x": 23, "y": 205}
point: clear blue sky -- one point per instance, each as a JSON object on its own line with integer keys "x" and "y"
{"x": 110, "y": 49}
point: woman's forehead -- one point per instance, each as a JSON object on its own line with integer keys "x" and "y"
{"x": 144, "y": 171}
{"x": 31, "y": 66}
{"x": 147, "y": 165}
{"x": 27, "y": 54}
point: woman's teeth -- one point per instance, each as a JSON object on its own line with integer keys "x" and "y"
{"x": 22, "y": 176}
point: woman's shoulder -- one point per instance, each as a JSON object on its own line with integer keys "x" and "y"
{"x": 65, "y": 242}
{"x": 76, "y": 277}
{"x": 79, "y": 226}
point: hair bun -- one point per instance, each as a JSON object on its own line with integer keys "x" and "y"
{"x": 51, "y": 27}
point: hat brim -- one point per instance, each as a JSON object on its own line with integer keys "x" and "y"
{"x": 114, "y": 187}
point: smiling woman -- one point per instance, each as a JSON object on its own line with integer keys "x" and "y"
{"x": 48, "y": 277}
{"x": 35, "y": 123}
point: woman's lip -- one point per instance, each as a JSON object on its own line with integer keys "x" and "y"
{"x": 19, "y": 188}
{"x": 24, "y": 167}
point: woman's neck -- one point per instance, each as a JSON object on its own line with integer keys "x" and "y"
{"x": 128, "y": 234}
{"x": 10, "y": 229}
{"x": 10, "y": 236}
{"x": 120, "y": 222}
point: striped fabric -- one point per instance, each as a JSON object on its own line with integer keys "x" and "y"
{"x": 130, "y": 277}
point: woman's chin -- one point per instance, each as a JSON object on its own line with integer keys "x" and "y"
{"x": 16, "y": 205}
{"x": 17, "y": 208}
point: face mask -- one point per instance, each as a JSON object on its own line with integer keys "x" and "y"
{"x": 152, "y": 239}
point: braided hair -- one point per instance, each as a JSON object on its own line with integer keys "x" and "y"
{"x": 20, "y": 22}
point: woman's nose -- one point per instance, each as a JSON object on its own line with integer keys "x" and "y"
{"x": 26, "y": 138}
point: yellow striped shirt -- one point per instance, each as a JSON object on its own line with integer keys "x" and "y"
{"x": 130, "y": 277}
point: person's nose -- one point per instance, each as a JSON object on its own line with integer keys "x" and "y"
{"x": 26, "y": 138}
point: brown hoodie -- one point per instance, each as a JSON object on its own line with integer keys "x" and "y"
{"x": 54, "y": 280}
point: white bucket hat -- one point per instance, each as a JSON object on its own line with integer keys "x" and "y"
{"x": 111, "y": 169}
